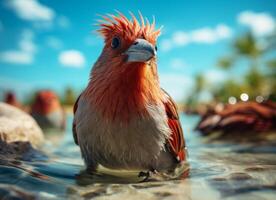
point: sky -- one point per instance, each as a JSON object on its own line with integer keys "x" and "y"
{"x": 52, "y": 44}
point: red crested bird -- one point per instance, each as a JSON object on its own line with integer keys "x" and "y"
{"x": 124, "y": 119}
{"x": 47, "y": 110}
{"x": 10, "y": 98}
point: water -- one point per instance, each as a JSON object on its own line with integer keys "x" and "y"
{"x": 219, "y": 170}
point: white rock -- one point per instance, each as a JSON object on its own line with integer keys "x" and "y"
{"x": 16, "y": 125}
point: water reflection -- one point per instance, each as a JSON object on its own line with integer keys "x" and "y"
{"x": 219, "y": 169}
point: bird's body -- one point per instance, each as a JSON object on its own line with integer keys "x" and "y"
{"x": 123, "y": 119}
{"x": 137, "y": 144}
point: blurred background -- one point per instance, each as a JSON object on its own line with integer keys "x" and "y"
{"x": 215, "y": 58}
{"x": 212, "y": 52}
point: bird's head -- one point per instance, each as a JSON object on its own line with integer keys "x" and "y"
{"x": 128, "y": 41}
{"x": 129, "y": 46}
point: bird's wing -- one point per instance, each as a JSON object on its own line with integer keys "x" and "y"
{"x": 74, "y": 122}
{"x": 176, "y": 143}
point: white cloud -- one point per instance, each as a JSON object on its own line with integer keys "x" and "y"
{"x": 60, "y": 21}
{"x": 215, "y": 77}
{"x": 260, "y": 23}
{"x": 25, "y": 53}
{"x": 26, "y": 44}
{"x": 223, "y": 31}
{"x": 177, "y": 85}
{"x": 41, "y": 16}
{"x": 181, "y": 38}
{"x": 54, "y": 42}
{"x": 16, "y": 57}
{"x": 71, "y": 58}
{"x": 63, "y": 22}
{"x": 205, "y": 35}
{"x": 31, "y": 10}
{"x": 178, "y": 63}
{"x": 208, "y": 35}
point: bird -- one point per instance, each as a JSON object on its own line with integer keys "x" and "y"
{"x": 11, "y": 99}
{"x": 47, "y": 111}
{"x": 123, "y": 119}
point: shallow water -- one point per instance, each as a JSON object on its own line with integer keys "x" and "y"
{"x": 219, "y": 170}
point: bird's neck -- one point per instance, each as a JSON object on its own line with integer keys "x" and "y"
{"x": 122, "y": 95}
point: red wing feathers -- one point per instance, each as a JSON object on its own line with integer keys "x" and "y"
{"x": 176, "y": 142}
{"x": 74, "y": 123}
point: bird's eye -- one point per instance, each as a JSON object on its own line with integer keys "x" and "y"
{"x": 115, "y": 43}
{"x": 155, "y": 48}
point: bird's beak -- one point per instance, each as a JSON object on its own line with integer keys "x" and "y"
{"x": 140, "y": 51}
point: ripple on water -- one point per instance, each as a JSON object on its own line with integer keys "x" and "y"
{"x": 219, "y": 170}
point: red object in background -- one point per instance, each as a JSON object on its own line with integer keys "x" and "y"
{"x": 240, "y": 118}
{"x": 45, "y": 102}
{"x": 47, "y": 110}
{"x": 10, "y": 98}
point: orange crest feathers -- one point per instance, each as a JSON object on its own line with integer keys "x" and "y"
{"x": 120, "y": 25}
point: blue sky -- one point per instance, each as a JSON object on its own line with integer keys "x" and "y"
{"x": 52, "y": 44}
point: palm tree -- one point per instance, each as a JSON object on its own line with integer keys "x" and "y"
{"x": 271, "y": 76}
{"x": 199, "y": 83}
{"x": 69, "y": 96}
{"x": 247, "y": 46}
{"x": 192, "y": 100}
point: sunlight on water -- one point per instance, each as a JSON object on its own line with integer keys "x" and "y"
{"x": 219, "y": 169}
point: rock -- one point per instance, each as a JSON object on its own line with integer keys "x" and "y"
{"x": 18, "y": 126}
